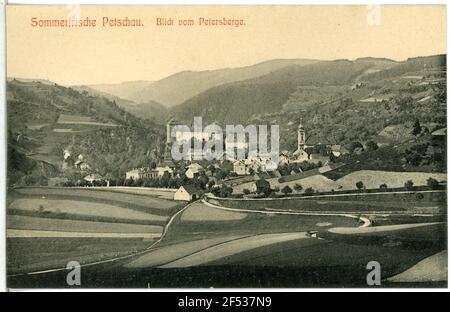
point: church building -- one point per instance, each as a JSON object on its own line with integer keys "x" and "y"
{"x": 301, "y": 154}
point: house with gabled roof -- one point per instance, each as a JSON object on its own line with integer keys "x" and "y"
{"x": 187, "y": 193}
{"x": 193, "y": 170}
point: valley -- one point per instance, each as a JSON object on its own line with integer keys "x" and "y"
{"x": 362, "y": 172}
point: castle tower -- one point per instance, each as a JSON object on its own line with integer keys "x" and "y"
{"x": 301, "y": 137}
{"x": 167, "y": 151}
{"x": 169, "y": 125}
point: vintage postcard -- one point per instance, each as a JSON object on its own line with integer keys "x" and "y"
{"x": 226, "y": 146}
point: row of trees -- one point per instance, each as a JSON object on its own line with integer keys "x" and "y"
{"x": 166, "y": 181}
{"x": 264, "y": 189}
{"x": 409, "y": 185}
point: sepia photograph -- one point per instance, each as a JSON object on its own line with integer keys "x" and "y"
{"x": 214, "y": 146}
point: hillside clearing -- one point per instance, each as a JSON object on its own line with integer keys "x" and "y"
{"x": 372, "y": 179}
{"x": 83, "y": 120}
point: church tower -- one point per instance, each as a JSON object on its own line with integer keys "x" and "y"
{"x": 301, "y": 137}
{"x": 170, "y": 124}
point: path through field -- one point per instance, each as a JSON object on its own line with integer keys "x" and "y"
{"x": 233, "y": 247}
{"x": 174, "y": 252}
{"x": 379, "y": 229}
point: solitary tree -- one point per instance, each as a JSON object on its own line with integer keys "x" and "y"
{"x": 383, "y": 186}
{"x": 359, "y": 185}
{"x": 246, "y": 191}
{"x": 263, "y": 187}
{"x": 298, "y": 187}
{"x": 309, "y": 191}
{"x": 371, "y": 146}
{"x": 432, "y": 183}
{"x": 226, "y": 191}
{"x": 416, "y": 128}
{"x": 286, "y": 190}
{"x": 409, "y": 185}
{"x": 354, "y": 145}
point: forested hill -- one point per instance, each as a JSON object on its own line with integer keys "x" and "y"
{"x": 150, "y": 110}
{"x": 44, "y": 120}
{"x": 339, "y": 101}
{"x": 237, "y": 102}
{"x": 416, "y": 64}
{"x": 179, "y": 87}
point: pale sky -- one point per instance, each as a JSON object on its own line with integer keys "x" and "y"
{"x": 109, "y": 54}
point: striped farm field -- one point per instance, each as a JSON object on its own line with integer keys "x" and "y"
{"x": 56, "y": 225}
{"x": 43, "y": 253}
{"x": 81, "y": 120}
{"x": 160, "y": 193}
{"x": 82, "y": 208}
{"x": 93, "y": 194}
{"x": 174, "y": 252}
{"x": 46, "y": 224}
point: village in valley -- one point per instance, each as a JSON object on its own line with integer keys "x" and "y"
{"x": 360, "y": 174}
{"x": 251, "y": 177}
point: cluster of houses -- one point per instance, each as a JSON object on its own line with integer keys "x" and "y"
{"x": 193, "y": 170}
{"x": 253, "y": 167}
{"x": 249, "y": 166}
{"x": 256, "y": 167}
{"x": 149, "y": 173}
{"x": 78, "y": 163}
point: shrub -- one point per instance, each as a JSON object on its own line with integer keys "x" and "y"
{"x": 359, "y": 185}
{"x": 432, "y": 183}
{"x": 262, "y": 186}
{"x": 383, "y": 186}
{"x": 409, "y": 185}
{"x": 226, "y": 191}
{"x": 286, "y": 190}
{"x": 246, "y": 191}
{"x": 298, "y": 187}
{"x": 309, "y": 191}
{"x": 371, "y": 146}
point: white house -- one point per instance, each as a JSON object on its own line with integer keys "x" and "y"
{"x": 239, "y": 167}
{"x": 83, "y": 166}
{"x": 141, "y": 173}
{"x": 161, "y": 170}
{"x": 187, "y": 193}
{"x": 267, "y": 165}
{"x": 245, "y": 166}
{"x": 93, "y": 178}
{"x": 193, "y": 170}
{"x": 284, "y": 158}
{"x": 300, "y": 156}
{"x": 338, "y": 150}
